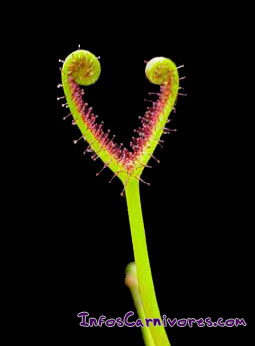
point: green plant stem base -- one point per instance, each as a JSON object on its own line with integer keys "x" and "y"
{"x": 132, "y": 283}
{"x": 145, "y": 283}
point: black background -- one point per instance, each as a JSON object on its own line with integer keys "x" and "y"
{"x": 194, "y": 210}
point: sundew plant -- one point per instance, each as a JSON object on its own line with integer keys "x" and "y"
{"x": 82, "y": 68}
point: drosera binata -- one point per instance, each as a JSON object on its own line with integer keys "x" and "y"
{"x": 82, "y": 68}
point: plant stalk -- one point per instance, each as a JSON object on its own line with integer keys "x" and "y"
{"x": 144, "y": 276}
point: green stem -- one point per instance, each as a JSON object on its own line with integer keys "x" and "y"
{"x": 145, "y": 282}
{"x": 132, "y": 283}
